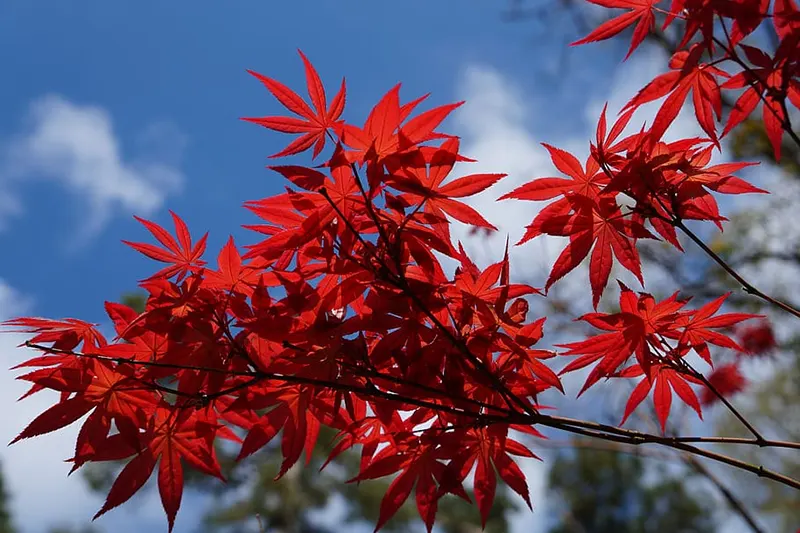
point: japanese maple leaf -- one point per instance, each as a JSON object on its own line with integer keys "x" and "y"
{"x": 786, "y": 18}
{"x": 605, "y": 148}
{"x": 598, "y": 227}
{"x": 697, "y": 328}
{"x": 747, "y": 16}
{"x": 232, "y": 274}
{"x": 382, "y": 134}
{"x": 424, "y": 182}
{"x": 665, "y": 379}
{"x": 588, "y": 182}
{"x": 483, "y": 291}
{"x": 698, "y": 15}
{"x": 56, "y": 417}
{"x": 173, "y": 436}
{"x": 419, "y": 466}
{"x": 96, "y": 383}
{"x": 641, "y": 320}
{"x": 727, "y": 380}
{"x": 688, "y": 74}
{"x": 290, "y": 414}
{"x": 142, "y": 343}
{"x": 641, "y": 12}
{"x": 718, "y": 178}
{"x": 313, "y": 123}
{"x": 302, "y": 217}
{"x": 294, "y": 220}
{"x": 65, "y": 334}
{"x": 521, "y": 364}
{"x": 183, "y": 256}
{"x": 118, "y": 393}
{"x": 769, "y": 80}
{"x": 487, "y": 449}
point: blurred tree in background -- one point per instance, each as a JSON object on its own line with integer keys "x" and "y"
{"x": 607, "y": 491}
{"x": 65, "y": 529}
{"x": 773, "y": 406}
{"x": 6, "y": 524}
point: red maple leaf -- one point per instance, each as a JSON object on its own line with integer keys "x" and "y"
{"x": 641, "y": 13}
{"x": 313, "y": 123}
{"x": 688, "y": 74}
{"x": 727, "y": 380}
{"x": 772, "y": 80}
{"x": 232, "y": 275}
{"x": 421, "y": 181}
{"x": 642, "y": 327}
{"x": 697, "y": 328}
{"x": 586, "y": 183}
{"x": 171, "y": 437}
{"x": 487, "y": 449}
{"x": 666, "y": 380}
{"x": 183, "y": 256}
{"x": 65, "y": 334}
{"x": 383, "y": 135}
{"x": 599, "y": 227}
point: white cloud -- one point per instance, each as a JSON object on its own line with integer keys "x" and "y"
{"x": 492, "y": 126}
{"x": 75, "y": 147}
{"x": 525, "y": 520}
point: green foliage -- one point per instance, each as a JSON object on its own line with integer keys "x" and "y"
{"x": 134, "y": 300}
{"x": 773, "y": 408}
{"x": 6, "y": 524}
{"x": 602, "y": 491}
{"x": 749, "y": 141}
{"x": 63, "y": 529}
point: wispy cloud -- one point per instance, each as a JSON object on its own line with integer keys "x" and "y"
{"x": 496, "y": 128}
{"x": 75, "y": 147}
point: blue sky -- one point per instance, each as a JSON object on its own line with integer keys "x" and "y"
{"x": 171, "y": 79}
{"x": 110, "y": 109}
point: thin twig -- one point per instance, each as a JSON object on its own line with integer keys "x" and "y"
{"x": 748, "y": 287}
{"x": 738, "y": 506}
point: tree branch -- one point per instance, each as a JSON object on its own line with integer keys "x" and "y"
{"x": 578, "y": 427}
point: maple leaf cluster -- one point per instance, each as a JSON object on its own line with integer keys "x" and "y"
{"x": 343, "y": 315}
{"x": 658, "y": 336}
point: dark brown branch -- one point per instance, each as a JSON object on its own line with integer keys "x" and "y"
{"x": 579, "y": 427}
{"x": 734, "y": 502}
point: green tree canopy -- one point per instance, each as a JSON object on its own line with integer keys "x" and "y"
{"x": 606, "y": 491}
{"x": 6, "y": 523}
